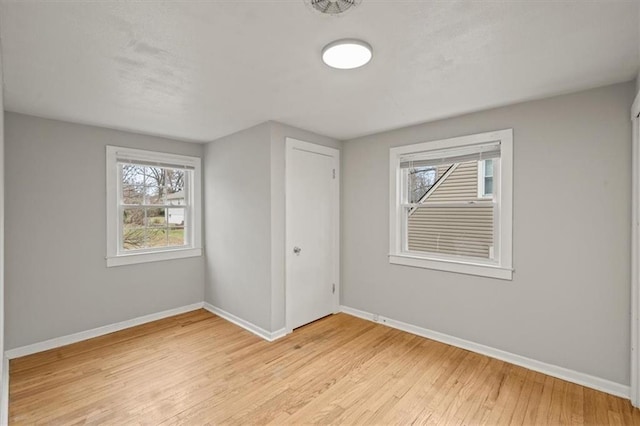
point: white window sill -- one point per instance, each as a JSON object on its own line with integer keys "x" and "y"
{"x": 130, "y": 259}
{"x": 460, "y": 267}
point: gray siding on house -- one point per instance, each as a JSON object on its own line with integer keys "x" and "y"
{"x": 464, "y": 230}
{"x": 461, "y": 185}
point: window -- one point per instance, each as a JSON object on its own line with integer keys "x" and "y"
{"x": 485, "y": 179}
{"x": 153, "y": 206}
{"x": 420, "y": 179}
{"x": 450, "y": 204}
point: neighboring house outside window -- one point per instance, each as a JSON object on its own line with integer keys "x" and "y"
{"x": 153, "y": 206}
{"x": 176, "y": 215}
{"x": 459, "y": 219}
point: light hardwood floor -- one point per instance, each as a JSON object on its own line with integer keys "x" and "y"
{"x": 197, "y": 368}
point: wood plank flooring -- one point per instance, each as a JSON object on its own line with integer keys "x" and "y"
{"x": 197, "y": 368}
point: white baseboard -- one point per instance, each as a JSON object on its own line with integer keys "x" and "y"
{"x": 258, "y": 331}
{"x": 573, "y": 376}
{"x": 96, "y": 332}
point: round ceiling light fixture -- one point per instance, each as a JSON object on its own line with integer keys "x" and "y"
{"x": 347, "y": 54}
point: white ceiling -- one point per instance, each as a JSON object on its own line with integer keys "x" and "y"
{"x": 198, "y": 70}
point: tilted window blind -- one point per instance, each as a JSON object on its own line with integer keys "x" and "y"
{"x": 450, "y": 156}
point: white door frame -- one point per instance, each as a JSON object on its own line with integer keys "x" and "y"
{"x": 635, "y": 255}
{"x": 295, "y": 144}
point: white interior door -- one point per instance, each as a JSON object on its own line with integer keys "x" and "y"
{"x": 312, "y": 232}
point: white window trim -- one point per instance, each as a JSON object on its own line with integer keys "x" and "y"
{"x": 502, "y": 267}
{"x": 114, "y": 258}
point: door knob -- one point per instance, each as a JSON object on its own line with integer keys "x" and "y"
{"x": 297, "y": 250}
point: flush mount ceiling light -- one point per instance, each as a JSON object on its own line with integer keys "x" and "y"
{"x": 333, "y": 7}
{"x": 347, "y": 54}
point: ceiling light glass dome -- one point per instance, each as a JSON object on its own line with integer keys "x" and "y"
{"x": 347, "y": 54}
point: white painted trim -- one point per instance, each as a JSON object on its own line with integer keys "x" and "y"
{"x": 450, "y": 265}
{"x": 157, "y": 256}
{"x": 193, "y": 231}
{"x": 4, "y": 398}
{"x": 572, "y": 376}
{"x": 96, "y": 332}
{"x": 635, "y": 108}
{"x": 502, "y": 266}
{"x": 290, "y": 145}
{"x": 111, "y": 328}
{"x": 101, "y": 331}
{"x": 269, "y": 336}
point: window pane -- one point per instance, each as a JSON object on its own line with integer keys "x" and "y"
{"x": 152, "y": 185}
{"x": 420, "y": 180}
{"x": 156, "y": 200}
{"x": 176, "y": 199}
{"x": 147, "y": 227}
{"x": 155, "y": 195}
{"x": 157, "y": 237}
{"x": 132, "y": 194}
{"x": 132, "y": 174}
{"x": 176, "y": 235}
{"x": 133, "y": 238}
{"x": 176, "y": 216}
{"x": 174, "y": 180}
{"x": 156, "y": 218}
{"x": 488, "y": 168}
{"x": 144, "y": 228}
{"x": 488, "y": 185}
{"x": 465, "y": 230}
{"x": 458, "y": 182}
{"x": 133, "y": 217}
{"x": 133, "y": 229}
{"x": 452, "y": 219}
{"x": 154, "y": 176}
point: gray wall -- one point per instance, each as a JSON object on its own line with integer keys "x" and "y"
{"x": 238, "y": 217}
{"x": 569, "y": 301}
{"x": 245, "y": 217}
{"x": 57, "y": 282}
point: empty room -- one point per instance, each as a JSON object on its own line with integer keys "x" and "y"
{"x": 319, "y": 212}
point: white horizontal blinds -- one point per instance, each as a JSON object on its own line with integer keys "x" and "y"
{"x": 449, "y": 156}
{"x": 155, "y": 159}
{"x": 156, "y": 164}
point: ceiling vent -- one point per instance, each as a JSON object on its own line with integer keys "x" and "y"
{"x": 333, "y": 7}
